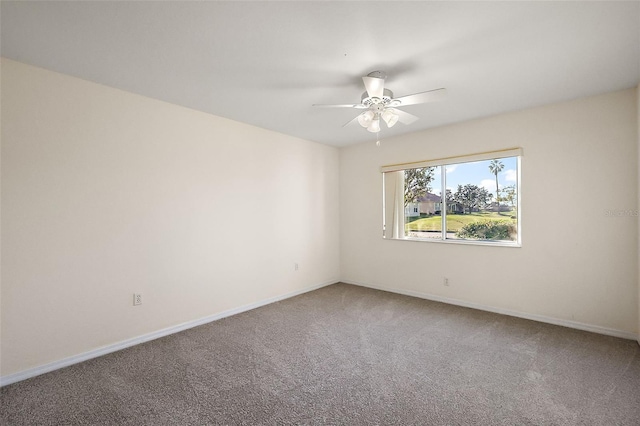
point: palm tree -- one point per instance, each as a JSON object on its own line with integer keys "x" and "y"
{"x": 496, "y": 167}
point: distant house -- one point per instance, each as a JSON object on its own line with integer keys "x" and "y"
{"x": 428, "y": 203}
{"x": 500, "y": 207}
{"x": 412, "y": 210}
{"x": 455, "y": 208}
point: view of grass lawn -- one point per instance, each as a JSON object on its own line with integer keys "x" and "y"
{"x": 454, "y": 221}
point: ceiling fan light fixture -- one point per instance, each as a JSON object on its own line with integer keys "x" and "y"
{"x": 390, "y": 117}
{"x": 366, "y": 118}
{"x": 374, "y": 127}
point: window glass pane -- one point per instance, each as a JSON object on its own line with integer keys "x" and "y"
{"x": 482, "y": 200}
{"x": 423, "y": 203}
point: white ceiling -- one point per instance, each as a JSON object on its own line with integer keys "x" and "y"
{"x": 265, "y": 63}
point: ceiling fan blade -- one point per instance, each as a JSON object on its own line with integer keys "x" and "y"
{"x": 354, "y": 121}
{"x": 374, "y": 86}
{"x": 357, "y": 106}
{"x": 405, "y": 117}
{"x": 422, "y": 97}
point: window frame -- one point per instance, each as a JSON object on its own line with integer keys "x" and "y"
{"x": 388, "y": 231}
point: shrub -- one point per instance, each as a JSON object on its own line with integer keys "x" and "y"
{"x": 488, "y": 230}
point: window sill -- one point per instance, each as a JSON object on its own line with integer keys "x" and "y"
{"x": 462, "y": 242}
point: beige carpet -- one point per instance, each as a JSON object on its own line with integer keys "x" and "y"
{"x": 347, "y": 355}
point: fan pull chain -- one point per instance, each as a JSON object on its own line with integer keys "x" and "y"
{"x": 378, "y": 139}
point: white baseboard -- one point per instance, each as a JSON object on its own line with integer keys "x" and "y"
{"x": 534, "y": 317}
{"x": 36, "y": 371}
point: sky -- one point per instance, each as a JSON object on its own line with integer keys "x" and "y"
{"x": 477, "y": 173}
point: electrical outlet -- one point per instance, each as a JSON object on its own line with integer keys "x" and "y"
{"x": 445, "y": 282}
{"x": 295, "y": 266}
{"x": 137, "y": 299}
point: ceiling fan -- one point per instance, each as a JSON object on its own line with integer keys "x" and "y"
{"x": 380, "y": 103}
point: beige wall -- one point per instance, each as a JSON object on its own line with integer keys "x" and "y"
{"x": 638, "y": 122}
{"x": 580, "y": 157}
{"x": 106, "y": 193}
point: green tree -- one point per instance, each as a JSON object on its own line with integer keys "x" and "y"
{"x": 509, "y": 195}
{"x": 472, "y": 197}
{"x": 449, "y": 196}
{"x": 496, "y": 167}
{"x": 417, "y": 182}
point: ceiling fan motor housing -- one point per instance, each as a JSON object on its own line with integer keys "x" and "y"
{"x": 377, "y": 74}
{"x": 387, "y": 96}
